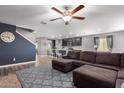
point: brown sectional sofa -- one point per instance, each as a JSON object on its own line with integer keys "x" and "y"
{"x": 93, "y": 69}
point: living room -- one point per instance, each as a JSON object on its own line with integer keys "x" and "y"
{"x": 61, "y": 46}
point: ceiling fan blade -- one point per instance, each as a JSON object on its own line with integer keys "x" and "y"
{"x": 77, "y": 9}
{"x": 57, "y": 10}
{"x": 76, "y": 17}
{"x": 56, "y": 19}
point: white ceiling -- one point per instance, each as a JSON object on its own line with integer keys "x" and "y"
{"x": 99, "y": 19}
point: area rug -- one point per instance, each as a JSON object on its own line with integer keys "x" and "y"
{"x": 44, "y": 77}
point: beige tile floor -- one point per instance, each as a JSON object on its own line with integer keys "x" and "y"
{"x": 11, "y": 81}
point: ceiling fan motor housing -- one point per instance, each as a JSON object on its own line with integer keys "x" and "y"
{"x": 67, "y": 13}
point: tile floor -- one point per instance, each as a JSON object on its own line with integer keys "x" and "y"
{"x": 9, "y": 81}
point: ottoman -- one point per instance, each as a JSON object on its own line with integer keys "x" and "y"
{"x": 64, "y": 65}
{"x": 94, "y": 77}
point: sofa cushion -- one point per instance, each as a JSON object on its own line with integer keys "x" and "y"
{"x": 112, "y": 59}
{"x": 79, "y": 63}
{"x": 73, "y": 54}
{"x": 122, "y": 69}
{"x": 88, "y": 56}
{"x": 106, "y": 66}
{"x": 122, "y": 60}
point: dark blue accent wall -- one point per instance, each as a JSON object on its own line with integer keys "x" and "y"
{"x": 21, "y": 48}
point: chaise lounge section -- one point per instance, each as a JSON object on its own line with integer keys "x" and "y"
{"x": 94, "y": 77}
{"x": 92, "y": 69}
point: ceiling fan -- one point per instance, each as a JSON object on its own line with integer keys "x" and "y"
{"x": 68, "y": 15}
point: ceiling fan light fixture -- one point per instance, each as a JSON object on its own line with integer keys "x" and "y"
{"x": 67, "y": 18}
{"x": 68, "y": 15}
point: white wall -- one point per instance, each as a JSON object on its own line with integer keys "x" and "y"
{"x": 118, "y": 41}
{"x": 28, "y": 35}
{"x": 88, "y": 42}
{"x": 118, "y": 45}
{"x": 58, "y": 44}
{"x": 42, "y": 45}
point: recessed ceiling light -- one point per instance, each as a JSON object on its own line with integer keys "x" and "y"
{"x": 60, "y": 35}
{"x": 70, "y": 33}
{"x": 52, "y": 36}
{"x": 77, "y": 35}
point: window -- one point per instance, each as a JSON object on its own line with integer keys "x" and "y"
{"x": 102, "y": 46}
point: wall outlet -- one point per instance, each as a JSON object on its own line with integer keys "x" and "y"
{"x": 14, "y": 59}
